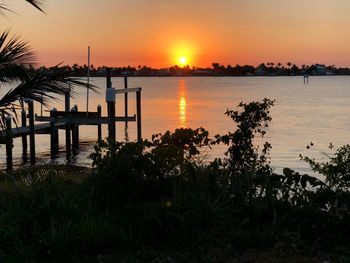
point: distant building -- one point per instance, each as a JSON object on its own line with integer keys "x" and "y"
{"x": 127, "y": 73}
{"x": 200, "y": 72}
{"x": 101, "y": 72}
{"x": 261, "y": 70}
{"x": 319, "y": 70}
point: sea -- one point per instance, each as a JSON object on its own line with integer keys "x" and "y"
{"x": 306, "y": 118}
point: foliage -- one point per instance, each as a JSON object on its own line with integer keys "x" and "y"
{"x": 36, "y": 3}
{"x": 15, "y": 58}
{"x": 148, "y": 163}
{"x": 157, "y": 201}
{"x": 334, "y": 194}
{"x": 247, "y": 169}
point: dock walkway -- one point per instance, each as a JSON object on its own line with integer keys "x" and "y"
{"x": 70, "y": 119}
{"x": 41, "y": 128}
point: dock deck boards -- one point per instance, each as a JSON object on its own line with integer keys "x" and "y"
{"x": 42, "y": 128}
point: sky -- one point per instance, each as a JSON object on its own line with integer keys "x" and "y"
{"x": 157, "y": 33}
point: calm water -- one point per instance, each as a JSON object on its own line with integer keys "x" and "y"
{"x": 318, "y": 112}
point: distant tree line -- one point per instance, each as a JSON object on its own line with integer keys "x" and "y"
{"x": 216, "y": 69}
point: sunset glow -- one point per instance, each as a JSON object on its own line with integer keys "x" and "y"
{"x": 182, "y": 104}
{"x": 227, "y": 32}
{"x": 182, "y": 54}
{"x": 183, "y": 61}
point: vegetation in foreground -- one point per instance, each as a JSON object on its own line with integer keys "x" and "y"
{"x": 157, "y": 201}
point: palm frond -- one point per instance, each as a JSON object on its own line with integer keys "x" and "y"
{"x": 14, "y": 50}
{"x": 36, "y": 3}
{"x": 4, "y": 9}
{"x": 43, "y": 86}
{"x": 14, "y": 55}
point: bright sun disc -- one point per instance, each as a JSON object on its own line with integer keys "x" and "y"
{"x": 183, "y": 61}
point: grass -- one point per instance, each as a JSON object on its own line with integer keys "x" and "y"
{"x": 53, "y": 214}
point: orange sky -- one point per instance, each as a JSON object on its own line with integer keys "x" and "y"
{"x": 157, "y": 32}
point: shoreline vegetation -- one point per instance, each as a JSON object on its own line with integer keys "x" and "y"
{"x": 268, "y": 69}
{"x": 156, "y": 201}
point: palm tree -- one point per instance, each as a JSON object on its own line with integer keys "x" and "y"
{"x": 16, "y": 58}
{"x": 36, "y": 3}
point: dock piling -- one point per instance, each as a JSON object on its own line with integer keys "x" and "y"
{"x": 126, "y": 97}
{"x": 111, "y": 100}
{"x": 76, "y": 129}
{"x": 138, "y": 110}
{"x": 99, "y": 127}
{"x": 53, "y": 133}
{"x": 9, "y": 143}
{"x": 24, "y": 137}
{"x": 75, "y": 133}
{"x": 68, "y": 125}
{"x": 69, "y": 120}
{"x": 31, "y": 130}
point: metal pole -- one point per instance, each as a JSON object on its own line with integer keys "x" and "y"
{"x": 88, "y": 83}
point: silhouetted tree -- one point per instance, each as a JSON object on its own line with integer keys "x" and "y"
{"x": 16, "y": 60}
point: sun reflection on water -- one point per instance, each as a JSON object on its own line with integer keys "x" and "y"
{"x": 182, "y": 104}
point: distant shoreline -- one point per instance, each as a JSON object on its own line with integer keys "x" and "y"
{"x": 217, "y": 70}
{"x": 220, "y": 76}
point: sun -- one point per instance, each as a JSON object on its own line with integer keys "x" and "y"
{"x": 182, "y": 61}
{"x": 181, "y": 55}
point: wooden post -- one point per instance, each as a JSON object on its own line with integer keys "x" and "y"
{"x": 110, "y": 98}
{"x": 74, "y": 136}
{"x": 76, "y": 127}
{"x": 111, "y": 115}
{"x": 126, "y": 97}
{"x": 57, "y": 142}
{"x": 138, "y": 112}
{"x": 9, "y": 143}
{"x": 31, "y": 130}
{"x": 108, "y": 78}
{"x": 126, "y": 108}
{"x": 24, "y": 137}
{"x": 53, "y": 140}
{"x": 99, "y": 127}
{"x": 68, "y": 125}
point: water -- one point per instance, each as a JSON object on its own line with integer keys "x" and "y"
{"x": 316, "y": 112}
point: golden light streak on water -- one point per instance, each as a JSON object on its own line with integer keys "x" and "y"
{"x": 182, "y": 104}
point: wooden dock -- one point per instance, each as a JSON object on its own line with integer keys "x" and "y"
{"x": 70, "y": 119}
{"x": 42, "y": 128}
